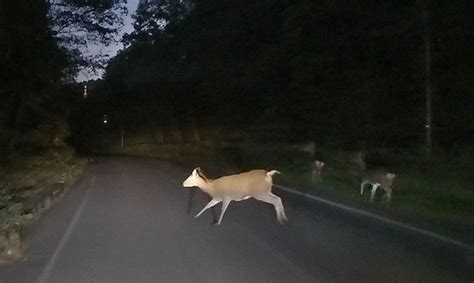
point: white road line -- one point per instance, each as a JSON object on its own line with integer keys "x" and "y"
{"x": 382, "y": 219}
{"x": 45, "y": 274}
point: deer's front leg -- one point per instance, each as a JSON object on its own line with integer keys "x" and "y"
{"x": 372, "y": 193}
{"x": 225, "y": 204}
{"x": 208, "y": 205}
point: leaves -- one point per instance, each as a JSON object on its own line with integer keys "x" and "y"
{"x": 79, "y": 25}
{"x": 154, "y": 17}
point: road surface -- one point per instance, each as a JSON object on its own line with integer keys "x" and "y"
{"x": 126, "y": 220}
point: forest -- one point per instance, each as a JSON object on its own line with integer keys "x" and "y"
{"x": 336, "y": 72}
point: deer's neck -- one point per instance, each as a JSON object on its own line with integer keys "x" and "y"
{"x": 208, "y": 187}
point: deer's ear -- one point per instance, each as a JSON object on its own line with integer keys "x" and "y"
{"x": 196, "y": 171}
{"x": 391, "y": 176}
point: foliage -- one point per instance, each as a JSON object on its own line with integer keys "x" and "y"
{"x": 79, "y": 24}
{"x": 46, "y": 135}
{"x": 30, "y": 71}
{"x": 155, "y": 16}
{"x": 10, "y": 211}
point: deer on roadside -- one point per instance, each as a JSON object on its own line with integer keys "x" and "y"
{"x": 255, "y": 183}
{"x": 317, "y": 167}
{"x": 376, "y": 176}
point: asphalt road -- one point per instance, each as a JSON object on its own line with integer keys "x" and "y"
{"x": 126, "y": 220}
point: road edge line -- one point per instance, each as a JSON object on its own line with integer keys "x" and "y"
{"x": 46, "y": 272}
{"x": 381, "y": 219}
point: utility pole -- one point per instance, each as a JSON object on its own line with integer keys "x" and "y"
{"x": 428, "y": 82}
{"x": 121, "y": 137}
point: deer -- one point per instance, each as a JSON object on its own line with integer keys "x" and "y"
{"x": 255, "y": 184}
{"x": 316, "y": 170}
{"x": 378, "y": 177}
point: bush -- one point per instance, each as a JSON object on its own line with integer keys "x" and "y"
{"x": 10, "y": 211}
{"x": 50, "y": 134}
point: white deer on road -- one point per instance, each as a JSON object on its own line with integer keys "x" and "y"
{"x": 255, "y": 183}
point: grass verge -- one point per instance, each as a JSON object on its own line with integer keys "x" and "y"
{"x": 28, "y": 185}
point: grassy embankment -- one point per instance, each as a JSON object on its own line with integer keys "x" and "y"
{"x": 28, "y": 184}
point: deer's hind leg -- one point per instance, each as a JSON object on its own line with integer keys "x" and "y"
{"x": 277, "y": 203}
{"x": 225, "y": 204}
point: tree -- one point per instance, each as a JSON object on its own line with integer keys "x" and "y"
{"x": 32, "y": 65}
{"x": 81, "y": 24}
{"x": 154, "y": 17}
{"x": 341, "y": 70}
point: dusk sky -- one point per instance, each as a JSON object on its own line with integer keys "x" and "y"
{"x": 88, "y": 74}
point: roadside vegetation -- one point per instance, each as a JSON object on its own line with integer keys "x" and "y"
{"x": 36, "y": 102}
{"x": 437, "y": 191}
{"x": 36, "y": 166}
{"x": 29, "y": 183}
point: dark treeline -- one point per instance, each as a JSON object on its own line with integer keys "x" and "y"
{"x": 32, "y": 66}
{"x": 39, "y": 58}
{"x": 337, "y": 72}
{"x": 328, "y": 70}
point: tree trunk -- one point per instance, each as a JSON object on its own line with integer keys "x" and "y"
{"x": 195, "y": 130}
